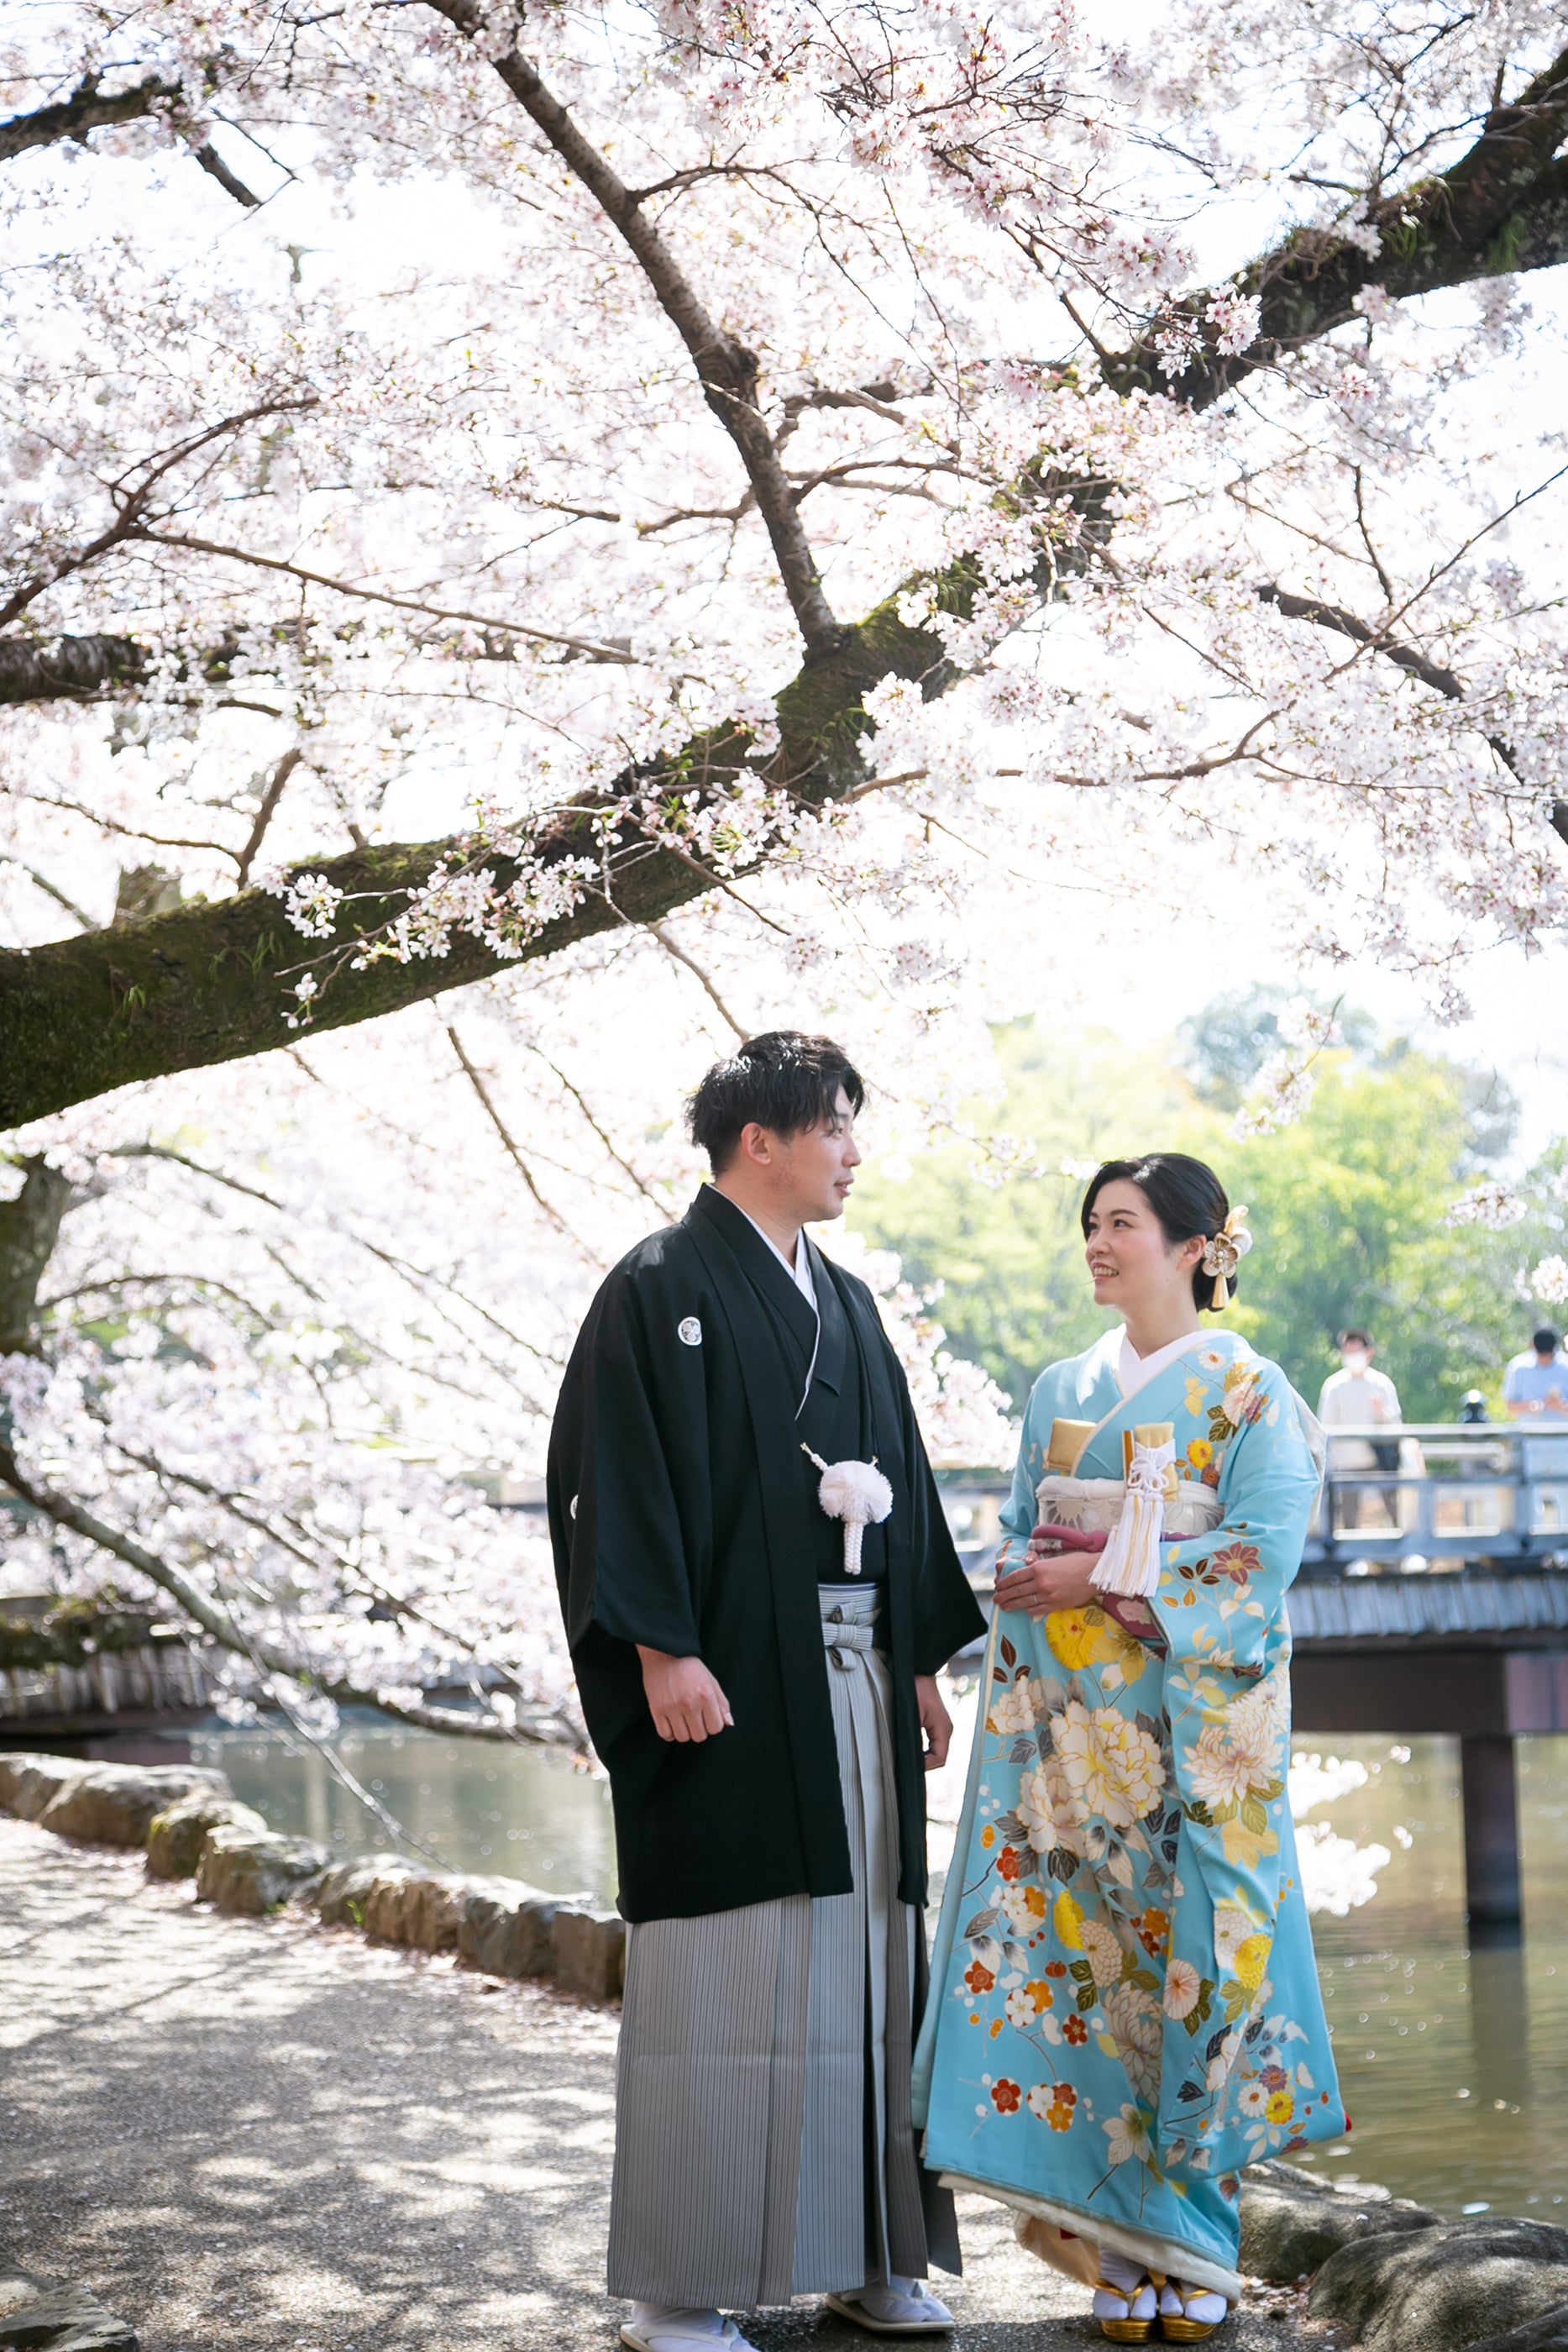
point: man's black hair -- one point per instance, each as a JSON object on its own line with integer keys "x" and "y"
{"x": 1545, "y": 1342}
{"x": 1348, "y": 1339}
{"x": 782, "y": 1080}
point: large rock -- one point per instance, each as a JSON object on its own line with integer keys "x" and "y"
{"x": 116, "y": 1804}
{"x": 1291, "y": 2220}
{"x": 343, "y": 1896}
{"x": 420, "y": 1909}
{"x": 1547, "y": 2334}
{"x": 175, "y": 1836}
{"x": 28, "y": 1783}
{"x": 1485, "y": 2281}
{"x": 242, "y": 1873}
{"x": 590, "y": 1952}
{"x": 35, "y": 2312}
{"x": 397, "y": 1902}
{"x": 508, "y": 1929}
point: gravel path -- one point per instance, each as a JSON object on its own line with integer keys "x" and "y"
{"x": 272, "y": 2136}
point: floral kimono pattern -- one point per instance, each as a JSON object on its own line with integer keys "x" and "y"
{"x": 1124, "y": 2003}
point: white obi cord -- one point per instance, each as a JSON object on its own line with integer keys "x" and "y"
{"x": 1130, "y": 1563}
{"x": 856, "y": 1491}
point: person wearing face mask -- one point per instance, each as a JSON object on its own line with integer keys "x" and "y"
{"x": 1358, "y": 1397}
{"x": 1124, "y": 2008}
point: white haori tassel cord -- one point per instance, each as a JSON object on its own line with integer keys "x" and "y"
{"x": 1130, "y": 1563}
{"x": 855, "y": 1492}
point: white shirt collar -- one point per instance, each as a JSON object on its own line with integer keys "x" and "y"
{"x": 799, "y": 1273}
{"x": 1135, "y": 1372}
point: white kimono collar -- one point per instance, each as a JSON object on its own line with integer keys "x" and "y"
{"x": 1134, "y": 1372}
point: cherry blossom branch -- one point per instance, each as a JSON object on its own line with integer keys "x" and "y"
{"x": 67, "y": 669}
{"x": 50, "y": 889}
{"x": 726, "y": 370}
{"x": 586, "y": 646}
{"x": 677, "y": 954}
{"x": 86, "y": 109}
{"x": 1405, "y": 657}
{"x": 131, "y": 505}
{"x": 267, "y": 811}
{"x": 220, "y": 1627}
{"x": 605, "y": 1140}
{"x": 1501, "y": 208}
{"x": 199, "y": 984}
{"x": 213, "y": 163}
{"x": 551, "y": 1215}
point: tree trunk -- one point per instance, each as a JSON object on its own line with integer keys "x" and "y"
{"x": 209, "y": 983}
{"x": 29, "y": 1228}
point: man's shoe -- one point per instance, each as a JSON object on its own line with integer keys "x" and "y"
{"x": 905, "y": 2306}
{"x": 653, "y": 2327}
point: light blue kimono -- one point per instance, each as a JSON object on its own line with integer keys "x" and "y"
{"x": 1125, "y": 2006}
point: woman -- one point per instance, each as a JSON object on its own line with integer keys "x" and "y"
{"x": 1124, "y": 2007}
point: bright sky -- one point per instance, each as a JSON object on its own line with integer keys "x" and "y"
{"x": 1166, "y": 971}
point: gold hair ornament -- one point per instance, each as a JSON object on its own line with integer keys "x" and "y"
{"x": 1223, "y": 1253}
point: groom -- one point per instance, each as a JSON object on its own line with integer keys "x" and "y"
{"x": 765, "y": 1719}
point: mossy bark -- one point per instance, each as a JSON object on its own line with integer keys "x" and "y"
{"x": 1503, "y": 208}
{"x": 208, "y": 981}
{"x": 29, "y": 1228}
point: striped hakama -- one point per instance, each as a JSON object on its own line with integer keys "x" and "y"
{"x": 763, "y": 2145}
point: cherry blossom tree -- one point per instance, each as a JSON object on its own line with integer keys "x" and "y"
{"x": 592, "y": 529}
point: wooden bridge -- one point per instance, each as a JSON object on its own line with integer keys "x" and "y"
{"x": 1432, "y": 1599}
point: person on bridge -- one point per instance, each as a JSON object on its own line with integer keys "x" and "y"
{"x": 760, "y": 1680}
{"x": 1124, "y": 2007}
{"x": 1359, "y": 1397}
{"x": 1535, "y": 1385}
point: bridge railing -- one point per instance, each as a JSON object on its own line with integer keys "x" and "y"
{"x": 1434, "y": 1494}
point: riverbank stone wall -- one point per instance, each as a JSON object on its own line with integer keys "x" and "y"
{"x": 189, "y": 1823}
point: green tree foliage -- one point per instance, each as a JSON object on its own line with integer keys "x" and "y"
{"x": 1348, "y": 1205}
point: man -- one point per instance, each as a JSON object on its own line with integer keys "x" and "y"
{"x": 764, "y": 1718}
{"x": 1357, "y": 1397}
{"x": 1534, "y": 1384}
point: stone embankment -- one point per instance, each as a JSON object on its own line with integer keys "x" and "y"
{"x": 189, "y": 1823}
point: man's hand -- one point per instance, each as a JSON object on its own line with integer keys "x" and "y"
{"x": 683, "y": 1699}
{"x": 935, "y": 1721}
{"x": 1053, "y": 1573}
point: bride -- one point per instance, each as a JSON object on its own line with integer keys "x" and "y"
{"x": 1125, "y": 2006}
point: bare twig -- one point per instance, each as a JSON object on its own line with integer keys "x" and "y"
{"x": 590, "y": 646}
{"x": 726, "y": 370}
{"x": 264, "y": 814}
{"x": 50, "y": 889}
{"x": 500, "y": 1124}
{"x": 679, "y": 955}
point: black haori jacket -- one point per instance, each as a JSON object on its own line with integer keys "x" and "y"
{"x": 684, "y": 1516}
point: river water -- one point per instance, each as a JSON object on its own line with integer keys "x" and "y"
{"x": 1453, "y": 2055}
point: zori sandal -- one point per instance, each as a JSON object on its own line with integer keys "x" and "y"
{"x": 1188, "y": 2313}
{"x": 1126, "y": 2314}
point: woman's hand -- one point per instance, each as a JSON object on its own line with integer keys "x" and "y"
{"x": 1053, "y": 1573}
